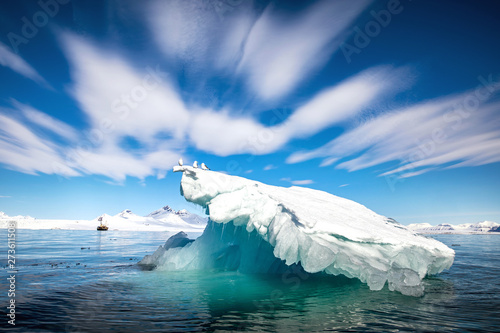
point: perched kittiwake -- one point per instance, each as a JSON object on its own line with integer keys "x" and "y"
{"x": 204, "y": 167}
{"x": 180, "y": 162}
{"x": 195, "y": 164}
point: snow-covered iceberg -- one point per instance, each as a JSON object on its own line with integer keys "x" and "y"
{"x": 259, "y": 228}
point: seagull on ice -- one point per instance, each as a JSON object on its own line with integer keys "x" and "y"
{"x": 180, "y": 162}
{"x": 204, "y": 167}
{"x": 195, "y": 164}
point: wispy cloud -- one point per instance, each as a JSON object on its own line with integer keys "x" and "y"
{"x": 120, "y": 103}
{"x": 123, "y": 103}
{"x": 23, "y": 150}
{"x": 302, "y": 182}
{"x": 5, "y": 196}
{"x": 446, "y": 132}
{"x": 343, "y": 185}
{"x": 31, "y": 151}
{"x": 270, "y": 167}
{"x": 278, "y": 54}
{"x": 343, "y": 101}
{"x": 298, "y": 182}
{"x": 271, "y": 54}
{"x": 243, "y": 134}
{"x": 47, "y": 122}
{"x": 110, "y": 90}
{"x": 19, "y": 65}
{"x": 201, "y": 35}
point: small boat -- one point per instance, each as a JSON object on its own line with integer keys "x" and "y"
{"x": 101, "y": 226}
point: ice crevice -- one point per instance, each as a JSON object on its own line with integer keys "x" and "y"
{"x": 259, "y": 228}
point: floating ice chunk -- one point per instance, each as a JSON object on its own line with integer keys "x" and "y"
{"x": 180, "y": 239}
{"x": 256, "y": 227}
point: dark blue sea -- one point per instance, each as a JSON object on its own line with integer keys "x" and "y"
{"x": 89, "y": 281}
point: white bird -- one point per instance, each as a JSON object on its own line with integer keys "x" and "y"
{"x": 180, "y": 162}
{"x": 204, "y": 167}
{"x": 195, "y": 164}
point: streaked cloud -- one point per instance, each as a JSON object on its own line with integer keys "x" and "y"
{"x": 19, "y": 65}
{"x": 47, "y": 122}
{"x": 270, "y": 167}
{"x": 447, "y": 132}
{"x": 271, "y": 54}
{"x": 341, "y": 102}
{"x": 23, "y": 150}
{"x": 134, "y": 101}
{"x": 110, "y": 97}
{"x": 298, "y": 182}
{"x": 125, "y": 104}
{"x": 139, "y": 123}
{"x": 278, "y": 55}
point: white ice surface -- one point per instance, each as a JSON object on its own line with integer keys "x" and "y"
{"x": 318, "y": 231}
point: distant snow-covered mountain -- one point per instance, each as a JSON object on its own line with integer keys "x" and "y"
{"x": 167, "y": 213}
{"x": 164, "y": 219}
{"x": 162, "y": 212}
{"x": 485, "y": 226}
{"x": 495, "y": 229}
{"x": 165, "y": 216}
{"x": 127, "y": 214}
{"x": 466, "y": 228}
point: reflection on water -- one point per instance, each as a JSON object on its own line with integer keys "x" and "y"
{"x": 83, "y": 281}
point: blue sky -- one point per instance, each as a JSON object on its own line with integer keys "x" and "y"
{"x": 393, "y": 104}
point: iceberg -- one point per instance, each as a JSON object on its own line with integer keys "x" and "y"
{"x": 259, "y": 228}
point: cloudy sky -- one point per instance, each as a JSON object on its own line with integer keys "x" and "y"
{"x": 394, "y": 104}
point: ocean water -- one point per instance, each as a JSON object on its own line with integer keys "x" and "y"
{"x": 89, "y": 281}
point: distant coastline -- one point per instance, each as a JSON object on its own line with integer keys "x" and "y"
{"x": 479, "y": 228}
{"x": 167, "y": 219}
{"x": 459, "y": 233}
{"x": 163, "y": 219}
